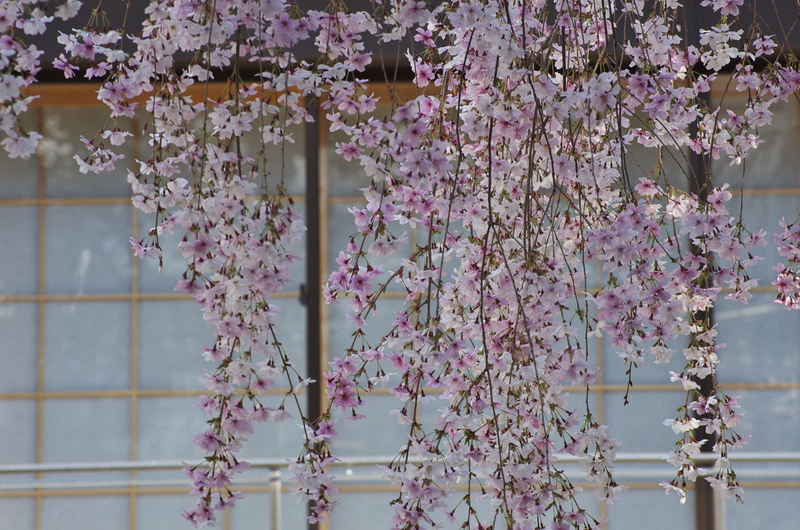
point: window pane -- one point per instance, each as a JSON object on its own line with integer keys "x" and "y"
{"x": 63, "y": 127}
{"x": 361, "y": 506}
{"x": 151, "y": 280}
{"x": 344, "y": 178}
{"x": 774, "y": 508}
{"x": 18, "y": 359}
{"x": 660, "y": 512}
{"x": 171, "y": 356}
{"x": 764, "y": 212}
{"x": 162, "y": 512}
{"x": 774, "y": 164}
{"x": 87, "y": 430}
{"x": 87, "y": 249}
{"x": 341, "y": 226}
{"x": 18, "y": 435}
{"x": 276, "y": 440}
{"x": 19, "y": 235}
{"x": 340, "y": 331}
{"x": 255, "y": 512}
{"x": 648, "y": 372}
{"x": 19, "y": 177}
{"x": 87, "y": 346}
{"x": 772, "y": 419}
{"x": 87, "y": 513}
{"x": 639, "y": 425}
{"x": 361, "y": 438}
{"x": 18, "y": 513}
{"x": 291, "y": 328}
{"x": 286, "y": 161}
{"x": 166, "y": 428}
{"x": 762, "y": 341}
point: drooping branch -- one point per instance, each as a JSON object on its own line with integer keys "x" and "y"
{"x": 507, "y": 179}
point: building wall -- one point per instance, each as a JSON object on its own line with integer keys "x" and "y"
{"x": 100, "y": 358}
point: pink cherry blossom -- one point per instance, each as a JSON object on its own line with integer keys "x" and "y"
{"x": 500, "y": 182}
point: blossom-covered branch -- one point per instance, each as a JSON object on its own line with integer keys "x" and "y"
{"x": 533, "y": 229}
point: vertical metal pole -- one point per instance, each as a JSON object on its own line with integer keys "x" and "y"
{"x": 720, "y": 517}
{"x": 275, "y": 501}
{"x": 313, "y": 289}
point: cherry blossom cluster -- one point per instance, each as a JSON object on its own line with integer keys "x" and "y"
{"x": 208, "y": 175}
{"x": 509, "y": 182}
{"x": 788, "y": 281}
{"x": 19, "y": 64}
{"x": 532, "y": 240}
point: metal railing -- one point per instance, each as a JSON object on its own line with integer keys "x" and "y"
{"x": 33, "y": 477}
